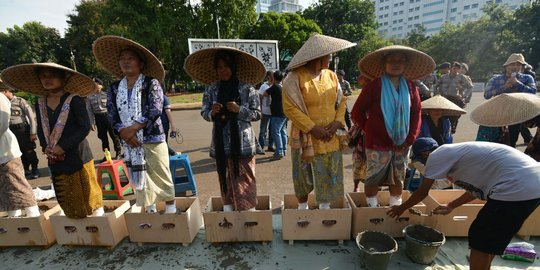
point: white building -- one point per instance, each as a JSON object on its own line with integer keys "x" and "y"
{"x": 279, "y": 6}
{"x": 263, "y": 6}
{"x": 398, "y": 17}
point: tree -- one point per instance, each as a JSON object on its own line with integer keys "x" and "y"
{"x": 416, "y": 38}
{"x": 353, "y": 20}
{"x": 525, "y": 25}
{"x": 235, "y": 18}
{"x": 162, "y": 26}
{"x": 85, "y": 26}
{"x": 290, "y": 30}
{"x": 483, "y": 44}
{"x": 33, "y": 42}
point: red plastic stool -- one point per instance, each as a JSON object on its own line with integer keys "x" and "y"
{"x": 114, "y": 188}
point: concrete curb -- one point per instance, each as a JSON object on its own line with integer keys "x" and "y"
{"x": 186, "y": 106}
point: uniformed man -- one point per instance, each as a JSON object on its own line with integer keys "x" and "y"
{"x": 98, "y": 117}
{"x": 23, "y": 125}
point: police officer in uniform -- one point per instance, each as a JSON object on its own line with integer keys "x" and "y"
{"x": 23, "y": 125}
{"x": 97, "y": 103}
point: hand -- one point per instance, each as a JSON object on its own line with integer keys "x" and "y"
{"x": 510, "y": 82}
{"x": 57, "y": 151}
{"x": 133, "y": 142}
{"x": 93, "y": 127}
{"x": 216, "y": 107}
{"x": 33, "y": 137}
{"x": 442, "y": 210}
{"x": 320, "y": 133}
{"x": 396, "y": 211}
{"x": 402, "y": 148}
{"x": 127, "y": 133}
{"x": 332, "y": 127}
{"x": 233, "y": 107}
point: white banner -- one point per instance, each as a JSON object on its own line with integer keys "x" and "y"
{"x": 265, "y": 50}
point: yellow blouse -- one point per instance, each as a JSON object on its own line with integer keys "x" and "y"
{"x": 320, "y": 99}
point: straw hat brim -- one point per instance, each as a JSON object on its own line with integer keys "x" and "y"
{"x": 200, "y": 66}
{"x": 442, "y": 104}
{"x": 107, "y": 50}
{"x": 3, "y": 85}
{"x": 24, "y": 77}
{"x": 318, "y": 46}
{"x": 507, "y": 109}
{"x": 419, "y": 64}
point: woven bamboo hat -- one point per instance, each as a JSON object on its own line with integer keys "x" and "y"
{"x": 107, "y": 50}
{"x": 200, "y": 66}
{"x": 2, "y": 85}
{"x": 318, "y": 46}
{"x": 419, "y": 64}
{"x": 24, "y": 77}
{"x": 440, "y": 103}
{"x": 507, "y": 109}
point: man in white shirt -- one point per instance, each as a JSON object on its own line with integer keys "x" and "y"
{"x": 506, "y": 178}
{"x": 266, "y": 113}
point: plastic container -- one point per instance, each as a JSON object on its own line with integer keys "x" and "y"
{"x": 376, "y": 249}
{"x": 422, "y": 243}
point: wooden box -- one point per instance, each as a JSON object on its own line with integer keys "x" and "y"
{"x": 457, "y": 223}
{"x": 107, "y": 230}
{"x": 376, "y": 218}
{"x": 165, "y": 228}
{"x": 530, "y": 227}
{"x": 315, "y": 224}
{"x": 29, "y": 231}
{"x": 238, "y": 226}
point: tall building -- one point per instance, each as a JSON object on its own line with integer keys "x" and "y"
{"x": 398, "y": 17}
{"x": 263, "y": 6}
{"x": 279, "y": 6}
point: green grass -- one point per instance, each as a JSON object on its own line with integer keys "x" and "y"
{"x": 186, "y": 98}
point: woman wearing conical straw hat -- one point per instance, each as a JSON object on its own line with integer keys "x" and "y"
{"x": 63, "y": 125}
{"x": 435, "y": 121}
{"x": 231, "y": 103}
{"x": 15, "y": 191}
{"x": 315, "y": 104}
{"x": 134, "y": 105}
{"x": 388, "y": 111}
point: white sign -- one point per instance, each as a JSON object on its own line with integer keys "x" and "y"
{"x": 265, "y": 50}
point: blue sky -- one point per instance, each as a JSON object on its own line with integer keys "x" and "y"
{"x": 51, "y": 13}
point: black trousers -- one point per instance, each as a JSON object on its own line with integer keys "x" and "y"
{"x": 29, "y": 157}
{"x": 103, "y": 127}
{"x": 513, "y": 133}
{"x": 455, "y": 118}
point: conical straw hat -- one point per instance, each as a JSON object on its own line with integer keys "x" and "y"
{"x": 419, "y": 64}
{"x": 441, "y": 103}
{"x": 25, "y": 78}
{"x": 2, "y": 85}
{"x": 107, "y": 50}
{"x": 507, "y": 109}
{"x": 200, "y": 66}
{"x": 318, "y": 46}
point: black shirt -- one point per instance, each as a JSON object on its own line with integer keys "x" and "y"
{"x": 76, "y": 148}
{"x": 276, "y": 106}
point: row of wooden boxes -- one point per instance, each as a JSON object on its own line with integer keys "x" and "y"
{"x": 347, "y": 217}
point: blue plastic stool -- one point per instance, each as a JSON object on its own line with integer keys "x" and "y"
{"x": 186, "y": 182}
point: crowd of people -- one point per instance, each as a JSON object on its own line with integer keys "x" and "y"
{"x": 403, "y": 104}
